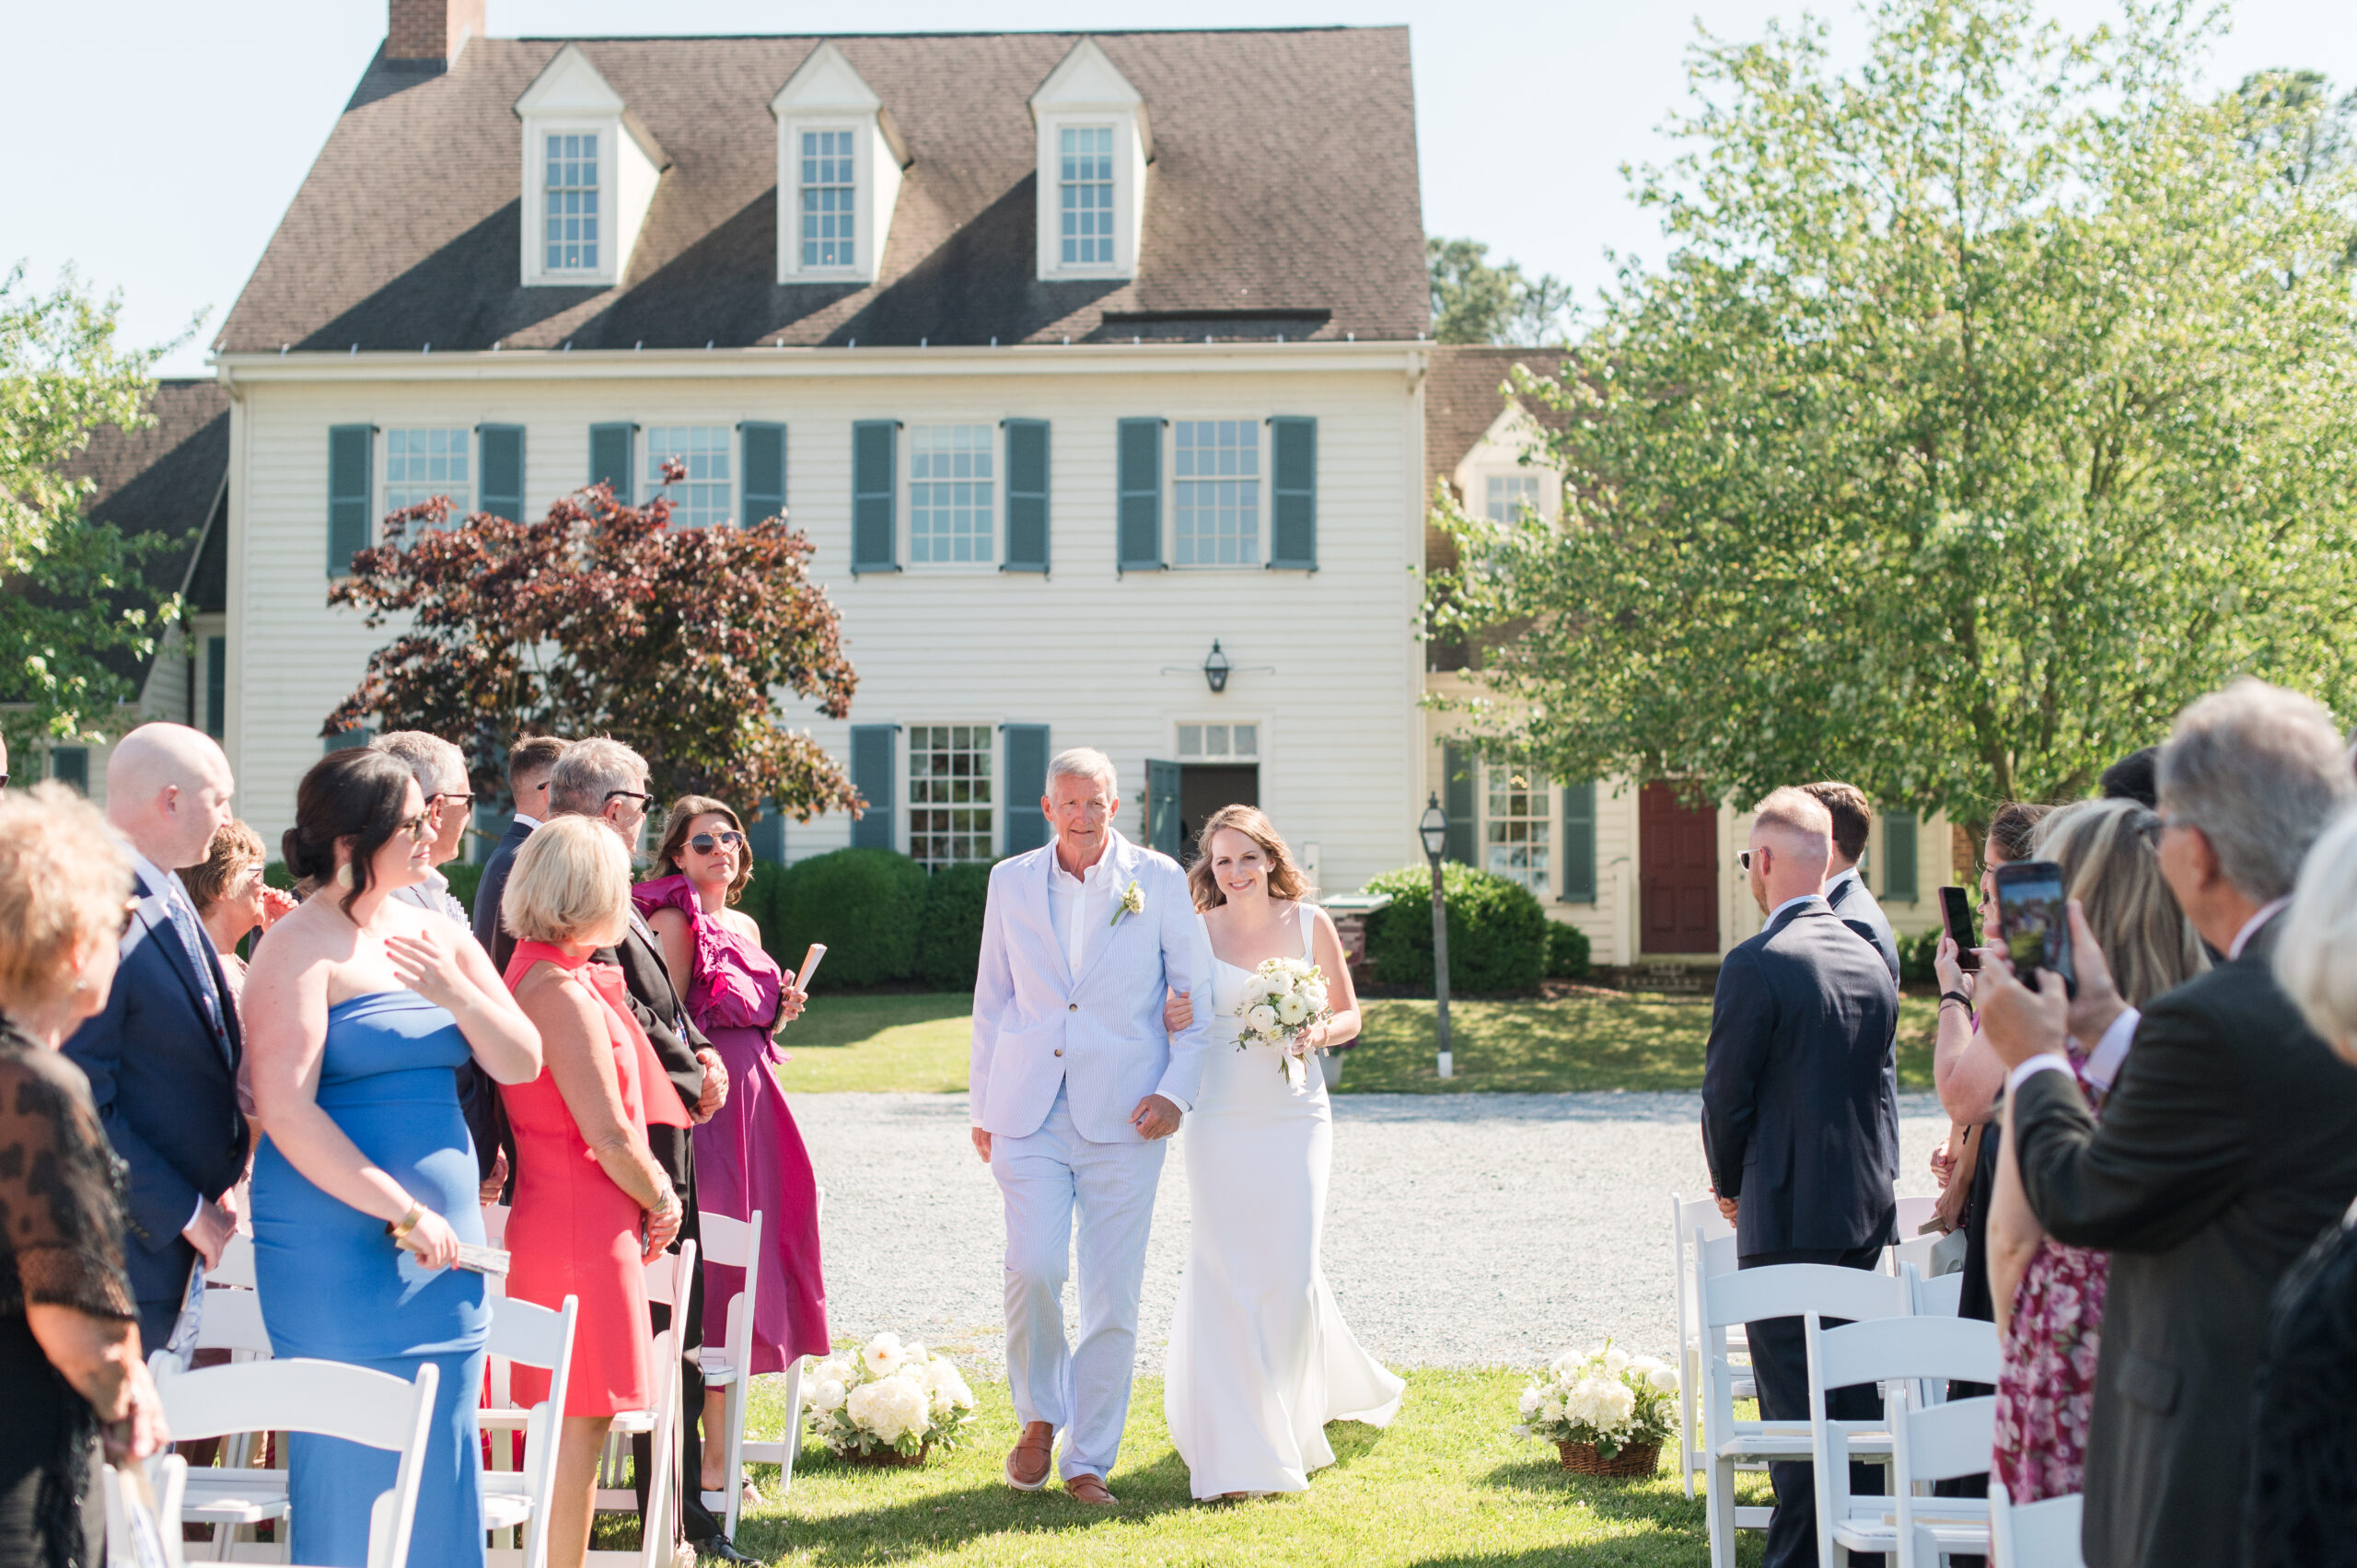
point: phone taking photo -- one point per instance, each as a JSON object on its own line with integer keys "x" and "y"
{"x": 2033, "y": 921}
{"x": 1955, "y": 910}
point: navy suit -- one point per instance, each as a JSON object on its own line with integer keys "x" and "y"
{"x": 488, "y": 892}
{"x": 165, "y": 1081}
{"x": 1858, "y": 910}
{"x": 1800, "y": 1123}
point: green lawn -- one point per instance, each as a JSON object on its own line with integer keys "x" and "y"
{"x": 1596, "y": 1041}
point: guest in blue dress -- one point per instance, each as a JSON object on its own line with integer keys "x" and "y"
{"x": 360, "y": 1009}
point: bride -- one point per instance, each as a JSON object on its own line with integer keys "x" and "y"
{"x": 1261, "y": 1359}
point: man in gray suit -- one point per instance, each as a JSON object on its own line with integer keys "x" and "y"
{"x": 2224, "y": 1147}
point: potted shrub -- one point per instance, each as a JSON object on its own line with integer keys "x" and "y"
{"x": 887, "y": 1403}
{"x": 1607, "y": 1412}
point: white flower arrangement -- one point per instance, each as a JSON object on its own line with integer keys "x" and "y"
{"x": 1287, "y": 1001}
{"x": 1603, "y": 1396}
{"x": 887, "y": 1395}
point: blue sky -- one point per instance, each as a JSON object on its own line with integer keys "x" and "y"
{"x": 180, "y": 131}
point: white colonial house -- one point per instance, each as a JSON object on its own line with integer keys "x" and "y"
{"x": 1094, "y": 367}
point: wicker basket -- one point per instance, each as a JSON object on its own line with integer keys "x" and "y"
{"x": 888, "y": 1458}
{"x": 1633, "y": 1460}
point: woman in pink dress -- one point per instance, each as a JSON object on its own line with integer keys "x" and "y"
{"x": 750, "y": 1155}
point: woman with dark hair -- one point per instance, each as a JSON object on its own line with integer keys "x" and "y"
{"x": 750, "y": 1155}
{"x": 357, "y": 1010}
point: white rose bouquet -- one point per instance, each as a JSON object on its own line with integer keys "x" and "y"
{"x": 1288, "y": 998}
{"x": 1605, "y": 1397}
{"x": 887, "y": 1397}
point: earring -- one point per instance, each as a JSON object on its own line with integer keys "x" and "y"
{"x": 343, "y": 874}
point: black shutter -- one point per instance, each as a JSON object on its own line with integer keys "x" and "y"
{"x": 1027, "y": 781}
{"x": 1140, "y": 487}
{"x": 1164, "y": 830}
{"x": 871, "y": 774}
{"x": 216, "y": 686}
{"x": 351, "y": 493}
{"x": 874, "y": 468}
{"x": 1457, "y": 763}
{"x": 764, "y": 472}
{"x": 503, "y": 469}
{"x": 1579, "y": 843}
{"x": 1027, "y": 495}
{"x": 1293, "y": 535}
{"x": 611, "y": 447}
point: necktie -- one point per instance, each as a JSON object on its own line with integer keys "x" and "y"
{"x": 193, "y": 943}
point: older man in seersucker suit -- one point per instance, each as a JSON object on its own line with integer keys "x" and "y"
{"x": 1075, "y": 1086}
{"x": 1799, "y": 1127}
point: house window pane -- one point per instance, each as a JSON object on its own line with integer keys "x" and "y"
{"x": 950, "y": 493}
{"x": 949, "y": 793}
{"x": 422, "y": 464}
{"x": 700, "y": 500}
{"x": 1512, "y": 495}
{"x": 570, "y": 202}
{"x": 1220, "y": 742}
{"x": 1218, "y": 480}
{"x": 1514, "y": 828}
{"x": 1191, "y": 740}
{"x": 827, "y": 190}
{"x": 1087, "y": 183}
{"x": 1246, "y": 741}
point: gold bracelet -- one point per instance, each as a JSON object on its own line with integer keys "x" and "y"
{"x": 409, "y": 1222}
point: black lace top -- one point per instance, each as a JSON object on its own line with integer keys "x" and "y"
{"x": 2302, "y": 1511}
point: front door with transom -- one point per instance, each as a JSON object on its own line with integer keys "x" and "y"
{"x": 1678, "y": 873}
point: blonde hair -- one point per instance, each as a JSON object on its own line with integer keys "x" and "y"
{"x": 684, "y": 811}
{"x": 1798, "y": 812}
{"x": 570, "y": 883}
{"x": 236, "y": 850}
{"x": 2314, "y": 955}
{"x": 1285, "y": 878}
{"x": 65, "y": 881}
{"x": 2111, "y": 865}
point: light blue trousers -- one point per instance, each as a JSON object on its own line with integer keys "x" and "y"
{"x": 1081, "y": 1390}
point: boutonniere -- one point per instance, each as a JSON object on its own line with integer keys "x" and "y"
{"x": 1132, "y": 902}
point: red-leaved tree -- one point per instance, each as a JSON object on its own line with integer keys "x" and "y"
{"x": 602, "y": 619}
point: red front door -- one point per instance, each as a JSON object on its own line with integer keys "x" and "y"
{"x": 1677, "y": 856}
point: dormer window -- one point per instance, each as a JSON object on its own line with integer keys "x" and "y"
{"x": 830, "y": 222}
{"x": 1085, "y": 195}
{"x": 1095, "y": 143}
{"x": 839, "y": 163}
{"x": 569, "y": 202}
{"x": 590, "y": 169}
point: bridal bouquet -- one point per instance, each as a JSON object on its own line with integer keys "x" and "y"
{"x": 887, "y": 1398}
{"x": 1287, "y": 998}
{"x": 1604, "y": 1399}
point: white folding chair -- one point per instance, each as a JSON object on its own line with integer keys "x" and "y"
{"x": 669, "y": 1278}
{"x": 1913, "y": 1215}
{"x": 1729, "y": 1300}
{"x": 1927, "y": 1442}
{"x": 735, "y": 1243}
{"x": 1689, "y": 1218}
{"x": 525, "y": 1333}
{"x": 168, "y": 1479}
{"x": 1936, "y": 1295}
{"x": 329, "y": 1398}
{"x": 494, "y": 1224}
{"x": 237, "y": 1266}
{"x": 2034, "y": 1534}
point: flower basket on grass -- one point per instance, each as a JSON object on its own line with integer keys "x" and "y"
{"x": 887, "y": 1403}
{"x": 1607, "y": 1412}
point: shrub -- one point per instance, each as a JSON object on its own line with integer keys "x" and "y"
{"x": 1567, "y": 951}
{"x": 1915, "y": 955}
{"x": 864, "y": 904}
{"x": 1498, "y": 939}
{"x": 949, "y": 942}
{"x": 465, "y": 877}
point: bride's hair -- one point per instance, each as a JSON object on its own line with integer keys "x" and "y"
{"x": 1285, "y": 880}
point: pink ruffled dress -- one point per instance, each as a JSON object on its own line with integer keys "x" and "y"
{"x": 750, "y": 1155}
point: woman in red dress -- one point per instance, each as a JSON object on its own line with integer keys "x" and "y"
{"x": 591, "y": 1206}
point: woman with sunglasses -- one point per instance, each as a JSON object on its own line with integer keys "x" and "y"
{"x": 750, "y": 1155}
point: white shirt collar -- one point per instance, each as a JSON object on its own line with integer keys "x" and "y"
{"x": 153, "y": 875}
{"x": 1839, "y": 877}
{"x": 1096, "y": 874}
{"x": 1776, "y": 914}
{"x": 528, "y": 821}
{"x": 2266, "y": 912}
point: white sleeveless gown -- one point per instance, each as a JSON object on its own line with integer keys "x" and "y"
{"x": 1261, "y": 1359}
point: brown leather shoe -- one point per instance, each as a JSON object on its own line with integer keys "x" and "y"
{"x": 1035, "y": 1452}
{"x": 1087, "y": 1488}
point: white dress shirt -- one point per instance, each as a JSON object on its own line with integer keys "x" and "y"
{"x": 532, "y": 822}
{"x": 1078, "y": 905}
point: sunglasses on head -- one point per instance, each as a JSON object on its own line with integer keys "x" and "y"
{"x": 704, "y": 843}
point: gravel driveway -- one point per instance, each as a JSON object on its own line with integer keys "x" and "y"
{"x": 1460, "y": 1229}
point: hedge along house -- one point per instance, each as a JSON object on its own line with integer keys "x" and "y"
{"x": 1649, "y": 876}
{"x": 1091, "y": 366}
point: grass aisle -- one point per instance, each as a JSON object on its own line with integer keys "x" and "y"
{"x": 1444, "y": 1484}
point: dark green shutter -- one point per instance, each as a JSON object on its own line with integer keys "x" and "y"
{"x": 351, "y": 493}
{"x": 1579, "y": 843}
{"x": 1162, "y": 829}
{"x": 611, "y": 447}
{"x": 871, "y": 774}
{"x": 1293, "y": 534}
{"x": 1027, "y": 495}
{"x": 1457, "y": 763}
{"x": 764, "y": 472}
{"x": 1140, "y": 487}
{"x": 350, "y": 739}
{"x": 875, "y": 466}
{"x": 765, "y": 835}
{"x": 503, "y": 469}
{"x": 70, "y": 765}
{"x": 1898, "y": 880}
{"x": 216, "y": 686}
{"x": 1027, "y": 781}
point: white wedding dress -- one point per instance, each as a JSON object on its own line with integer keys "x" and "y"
{"x": 1261, "y": 1359}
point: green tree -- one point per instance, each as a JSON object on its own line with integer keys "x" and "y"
{"x": 1474, "y": 302}
{"x": 1993, "y": 401}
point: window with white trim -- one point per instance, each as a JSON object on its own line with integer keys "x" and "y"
{"x": 569, "y": 202}
{"x": 951, "y": 493}
{"x": 422, "y": 464}
{"x": 702, "y": 499}
{"x": 1217, "y": 493}
{"x": 950, "y": 794}
{"x": 1511, "y": 496}
{"x": 1219, "y": 742}
{"x": 1085, "y": 195}
{"x": 1514, "y": 828}
{"x": 829, "y": 187}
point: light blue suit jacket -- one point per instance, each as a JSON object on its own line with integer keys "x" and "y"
{"x": 1099, "y": 1034}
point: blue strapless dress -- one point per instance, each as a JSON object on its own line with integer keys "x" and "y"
{"x": 334, "y": 1287}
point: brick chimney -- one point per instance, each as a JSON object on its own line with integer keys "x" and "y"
{"x": 432, "y": 30}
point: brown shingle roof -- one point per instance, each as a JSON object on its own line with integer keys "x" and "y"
{"x": 1462, "y": 399}
{"x": 1285, "y": 178}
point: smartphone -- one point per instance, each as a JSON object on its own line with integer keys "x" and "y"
{"x": 2032, "y": 921}
{"x": 1957, "y": 909}
{"x": 809, "y": 966}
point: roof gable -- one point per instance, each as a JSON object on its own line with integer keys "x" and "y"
{"x": 826, "y": 80}
{"x": 569, "y": 85}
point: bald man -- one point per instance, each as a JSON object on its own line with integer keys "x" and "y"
{"x": 162, "y": 1056}
{"x": 1799, "y": 1122}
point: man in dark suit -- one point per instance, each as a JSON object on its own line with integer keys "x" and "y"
{"x": 1845, "y": 889}
{"x": 2225, "y": 1143}
{"x": 606, "y": 780}
{"x": 529, "y": 765}
{"x": 1798, "y": 1123}
{"x": 162, "y": 1056}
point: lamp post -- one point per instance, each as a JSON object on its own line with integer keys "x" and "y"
{"x": 1433, "y": 828}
